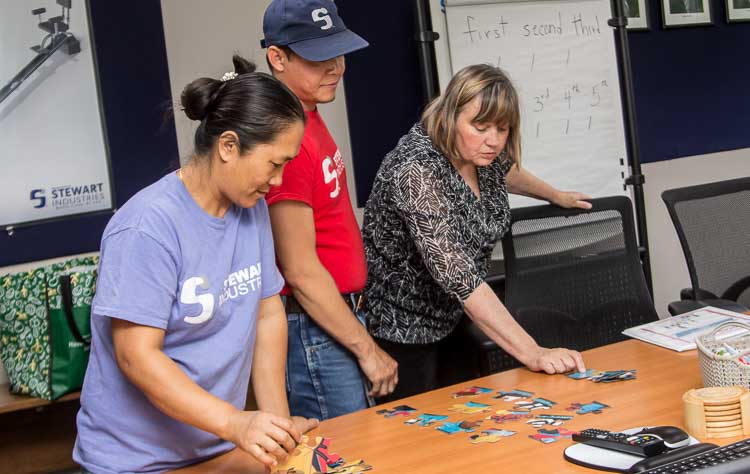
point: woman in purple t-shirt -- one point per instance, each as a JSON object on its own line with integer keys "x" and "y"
{"x": 187, "y": 310}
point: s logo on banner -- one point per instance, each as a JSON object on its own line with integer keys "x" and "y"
{"x": 321, "y": 14}
{"x": 188, "y": 295}
{"x": 38, "y": 195}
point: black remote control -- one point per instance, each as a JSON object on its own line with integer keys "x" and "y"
{"x": 640, "y": 445}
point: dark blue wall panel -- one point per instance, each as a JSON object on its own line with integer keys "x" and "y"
{"x": 692, "y": 86}
{"x": 134, "y": 82}
{"x": 383, "y": 89}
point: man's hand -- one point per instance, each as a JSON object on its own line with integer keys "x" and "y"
{"x": 381, "y": 370}
{"x": 266, "y": 437}
{"x": 555, "y": 361}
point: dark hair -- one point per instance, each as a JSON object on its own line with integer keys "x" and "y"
{"x": 254, "y": 105}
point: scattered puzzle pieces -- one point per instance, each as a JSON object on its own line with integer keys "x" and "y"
{"x": 615, "y": 376}
{"x": 583, "y": 375}
{"x": 584, "y": 408}
{"x": 318, "y": 459}
{"x": 353, "y": 468}
{"x": 502, "y": 416}
{"x": 322, "y": 458}
{"x": 599, "y": 376}
{"x": 541, "y": 422}
{"x": 299, "y": 462}
{"x": 551, "y": 436}
{"x": 536, "y": 404}
{"x": 459, "y": 426}
{"x": 490, "y": 436}
{"x": 401, "y": 410}
{"x": 513, "y": 395}
{"x": 470, "y": 408}
{"x": 425, "y": 419}
{"x": 472, "y": 392}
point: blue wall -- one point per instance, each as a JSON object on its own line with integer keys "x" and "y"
{"x": 134, "y": 83}
{"x": 692, "y": 86}
{"x": 383, "y": 89}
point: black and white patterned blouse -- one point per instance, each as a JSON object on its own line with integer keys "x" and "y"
{"x": 428, "y": 239}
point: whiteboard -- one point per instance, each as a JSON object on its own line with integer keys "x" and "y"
{"x": 53, "y": 152}
{"x": 561, "y": 57}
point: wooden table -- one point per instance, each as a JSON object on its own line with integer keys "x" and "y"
{"x": 654, "y": 398}
{"x": 390, "y": 446}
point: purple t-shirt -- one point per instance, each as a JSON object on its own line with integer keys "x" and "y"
{"x": 168, "y": 264}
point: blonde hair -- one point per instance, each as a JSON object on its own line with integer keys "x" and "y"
{"x": 499, "y": 105}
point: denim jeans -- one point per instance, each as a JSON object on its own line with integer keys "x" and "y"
{"x": 323, "y": 379}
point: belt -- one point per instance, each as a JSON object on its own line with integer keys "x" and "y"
{"x": 354, "y": 300}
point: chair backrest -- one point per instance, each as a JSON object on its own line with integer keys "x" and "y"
{"x": 713, "y": 224}
{"x": 573, "y": 276}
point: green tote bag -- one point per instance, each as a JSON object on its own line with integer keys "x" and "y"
{"x": 45, "y": 328}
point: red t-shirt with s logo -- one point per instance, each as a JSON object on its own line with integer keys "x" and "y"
{"x": 317, "y": 177}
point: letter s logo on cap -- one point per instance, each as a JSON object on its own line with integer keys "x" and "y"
{"x": 321, "y": 14}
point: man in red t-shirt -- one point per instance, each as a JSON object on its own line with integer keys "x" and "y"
{"x": 319, "y": 247}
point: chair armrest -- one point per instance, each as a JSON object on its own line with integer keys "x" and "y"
{"x": 700, "y": 294}
{"x": 729, "y": 305}
{"x": 736, "y": 289}
{"x": 684, "y": 306}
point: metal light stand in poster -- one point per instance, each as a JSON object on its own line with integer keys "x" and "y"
{"x": 53, "y": 151}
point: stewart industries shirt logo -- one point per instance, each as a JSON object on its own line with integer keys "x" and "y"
{"x": 238, "y": 283}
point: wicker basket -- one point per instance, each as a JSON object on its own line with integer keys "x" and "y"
{"x": 724, "y": 370}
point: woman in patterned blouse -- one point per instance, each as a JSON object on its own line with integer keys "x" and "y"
{"x": 438, "y": 206}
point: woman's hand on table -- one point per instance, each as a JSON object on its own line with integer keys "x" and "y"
{"x": 268, "y": 438}
{"x": 555, "y": 361}
{"x": 569, "y": 199}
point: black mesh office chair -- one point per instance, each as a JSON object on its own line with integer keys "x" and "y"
{"x": 713, "y": 224}
{"x": 573, "y": 278}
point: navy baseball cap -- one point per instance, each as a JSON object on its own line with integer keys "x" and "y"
{"x": 313, "y": 29}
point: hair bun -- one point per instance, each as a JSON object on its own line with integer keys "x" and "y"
{"x": 198, "y": 96}
{"x": 242, "y": 65}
